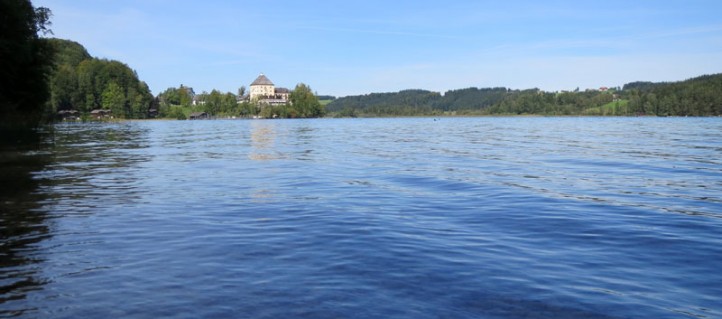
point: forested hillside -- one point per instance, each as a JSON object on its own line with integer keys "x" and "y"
{"x": 701, "y": 96}
{"x": 83, "y": 83}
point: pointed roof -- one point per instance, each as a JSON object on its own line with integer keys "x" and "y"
{"x": 262, "y": 80}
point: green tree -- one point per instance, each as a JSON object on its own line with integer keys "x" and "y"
{"x": 170, "y": 96}
{"x": 176, "y": 112}
{"x": 185, "y": 96}
{"x": 214, "y": 100}
{"x": 86, "y": 72}
{"x": 25, "y": 63}
{"x": 247, "y": 109}
{"x": 141, "y": 101}
{"x": 64, "y": 88}
{"x": 114, "y": 100}
{"x": 304, "y": 102}
{"x": 229, "y": 104}
{"x": 68, "y": 52}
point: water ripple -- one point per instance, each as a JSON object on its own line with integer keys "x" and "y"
{"x": 403, "y": 218}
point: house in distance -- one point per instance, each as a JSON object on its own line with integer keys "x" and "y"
{"x": 263, "y": 91}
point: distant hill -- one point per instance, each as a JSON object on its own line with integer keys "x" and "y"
{"x": 700, "y": 96}
{"x": 642, "y": 85}
{"x": 68, "y": 52}
{"x": 407, "y": 102}
{"x": 326, "y": 97}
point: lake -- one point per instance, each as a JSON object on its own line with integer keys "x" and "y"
{"x": 366, "y": 218}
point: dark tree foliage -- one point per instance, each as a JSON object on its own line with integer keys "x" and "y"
{"x": 25, "y": 62}
{"x": 68, "y": 52}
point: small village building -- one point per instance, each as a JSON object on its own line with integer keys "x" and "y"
{"x": 283, "y": 93}
{"x": 263, "y": 91}
{"x": 198, "y": 116}
{"x": 69, "y": 115}
{"x": 100, "y": 114}
{"x": 199, "y": 99}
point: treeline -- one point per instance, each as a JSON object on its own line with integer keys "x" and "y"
{"x": 407, "y": 102}
{"x": 700, "y": 96}
{"x": 181, "y": 102}
{"x": 469, "y": 101}
{"x": 326, "y": 97}
{"x": 82, "y": 83}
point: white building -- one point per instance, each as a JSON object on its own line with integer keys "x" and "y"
{"x": 263, "y": 91}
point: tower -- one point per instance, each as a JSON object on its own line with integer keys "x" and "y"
{"x": 261, "y": 88}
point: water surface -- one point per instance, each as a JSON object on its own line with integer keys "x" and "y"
{"x": 367, "y": 218}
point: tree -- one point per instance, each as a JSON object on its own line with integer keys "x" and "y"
{"x": 64, "y": 86}
{"x": 141, "y": 101}
{"x": 114, "y": 100}
{"x": 229, "y": 104}
{"x": 246, "y": 109}
{"x": 176, "y": 112}
{"x": 25, "y": 63}
{"x": 304, "y": 102}
{"x": 214, "y": 100}
{"x": 185, "y": 95}
{"x": 68, "y": 52}
{"x": 65, "y": 93}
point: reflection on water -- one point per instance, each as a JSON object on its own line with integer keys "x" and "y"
{"x": 263, "y": 136}
{"x": 96, "y": 157}
{"x": 57, "y": 166}
{"x": 298, "y": 142}
{"x": 23, "y": 221}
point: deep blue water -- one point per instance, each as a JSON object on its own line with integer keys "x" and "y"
{"x": 367, "y": 218}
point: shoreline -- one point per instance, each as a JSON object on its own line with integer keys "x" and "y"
{"x": 434, "y": 117}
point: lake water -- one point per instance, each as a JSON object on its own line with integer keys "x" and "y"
{"x": 366, "y": 218}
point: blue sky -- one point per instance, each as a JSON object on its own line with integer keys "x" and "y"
{"x": 357, "y": 47}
